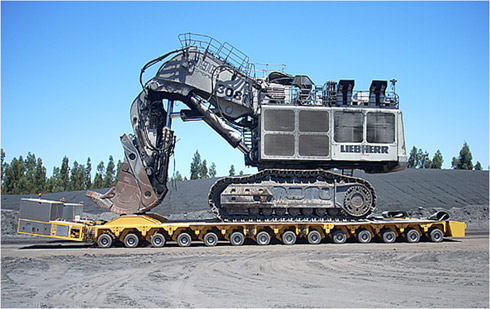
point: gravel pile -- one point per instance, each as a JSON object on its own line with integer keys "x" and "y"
{"x": 464, "y": 194}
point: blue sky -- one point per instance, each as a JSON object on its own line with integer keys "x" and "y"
{"x": 69, "y": 70}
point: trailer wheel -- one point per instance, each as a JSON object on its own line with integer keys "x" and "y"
{"x": 339, "y": 237}
{"x": 263, "y": 238}
{"x": 289, "y": 238}
{"x": 104, "y": 241}
{"x": 364, "y": 236}
{"x": 210, "y": 239}
{"x": 237, "y": 239}
{"x": 314, "y": 237}
{"x": 158, "y": 240}
{"x": 436, "y": 235}
{"x": 413, "y": 236}
{"x": 184, "y": 240}
{"x": 131, "y": 240}
{"x": 388, "y": 236}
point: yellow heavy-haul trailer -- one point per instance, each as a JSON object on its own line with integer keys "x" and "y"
{"x": 63, "y": 221}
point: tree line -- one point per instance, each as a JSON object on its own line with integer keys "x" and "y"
{"x": 200, "y": 170}
{"x": 420, "y": 159}
{"x": 28, "y": 176}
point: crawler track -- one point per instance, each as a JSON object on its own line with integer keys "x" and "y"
{"x": 265, "y": 197}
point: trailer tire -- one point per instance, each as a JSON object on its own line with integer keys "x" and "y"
{"x": 314, "y": 237}
{"x": 436, "y": 235}
{"x": 104, "y": 241}
{"x": 210, "y": 239}
{"x": 288, "y": 238}
{"x": 388, "y": 236}
{"x": 263, "y": 238}
{"x": 131, "y": 240}
{"x": 157, "y": 240}
{"x": 237, "y": 239}
{"x": 339, "y": 237}
{"x": 184, "y": 239}
{"x": 413, "y": 236}
{"x": 364, "y": 236}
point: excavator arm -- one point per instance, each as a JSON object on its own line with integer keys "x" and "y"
{"x": 215, "y": 90}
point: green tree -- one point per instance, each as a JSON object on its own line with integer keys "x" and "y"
{"x": 232, "y": 170}
{"x": 177, "y": 177}
{"x": 203, "y": 170}
{"x": 14, "y": 181}
{"x": 4, "y": 167}
{"x": 88, "y": 175}
{"x": 454, "y": 163}
{"x": 65, "y": 174}
{"x": 39, "y": 177}
{"x": 110, "y": 173}
{"x": 241, "y": 173}
{"x": 30, "y": 167}
{"x": 55, "y": 183}
{"x": 196, "y": 166}
{"x": 212, "y": 170}
{"x": 413, "y": 160}
{"x": 99, "y": 176}
{"x": 463, "y": 162}
{"x": 420, "y": 158}
{"x": 77, "y": 178}
{"x": 437, "y": 160}
{"x": 478, "y": 166}
{"x": 424, "y": 160}
{"x": 118, "y": 169}
{"x": 3, "y": 163}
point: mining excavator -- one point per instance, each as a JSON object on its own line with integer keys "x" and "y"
{"x": 305, "y": 140}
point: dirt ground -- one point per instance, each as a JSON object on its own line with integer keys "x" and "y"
{"x": 453, "y": 273}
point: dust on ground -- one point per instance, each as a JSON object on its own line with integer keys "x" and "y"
{"x": 449, "y": 274}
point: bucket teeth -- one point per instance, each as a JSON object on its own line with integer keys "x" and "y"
{"x": 106, "y": 201}
{"x": 100, "y": 199}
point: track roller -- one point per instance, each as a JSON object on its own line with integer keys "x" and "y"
{"x": 266, "y": 211}
{"x": 307, "y": 212}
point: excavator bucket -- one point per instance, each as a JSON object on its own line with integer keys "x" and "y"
{"x": 124, "y": 198}
{"x": 133, "y": 192}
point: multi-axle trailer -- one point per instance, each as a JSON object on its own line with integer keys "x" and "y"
{"x": 63, "y": 221}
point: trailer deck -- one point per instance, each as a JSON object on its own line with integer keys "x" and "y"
{"x": 49, "y": 219}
